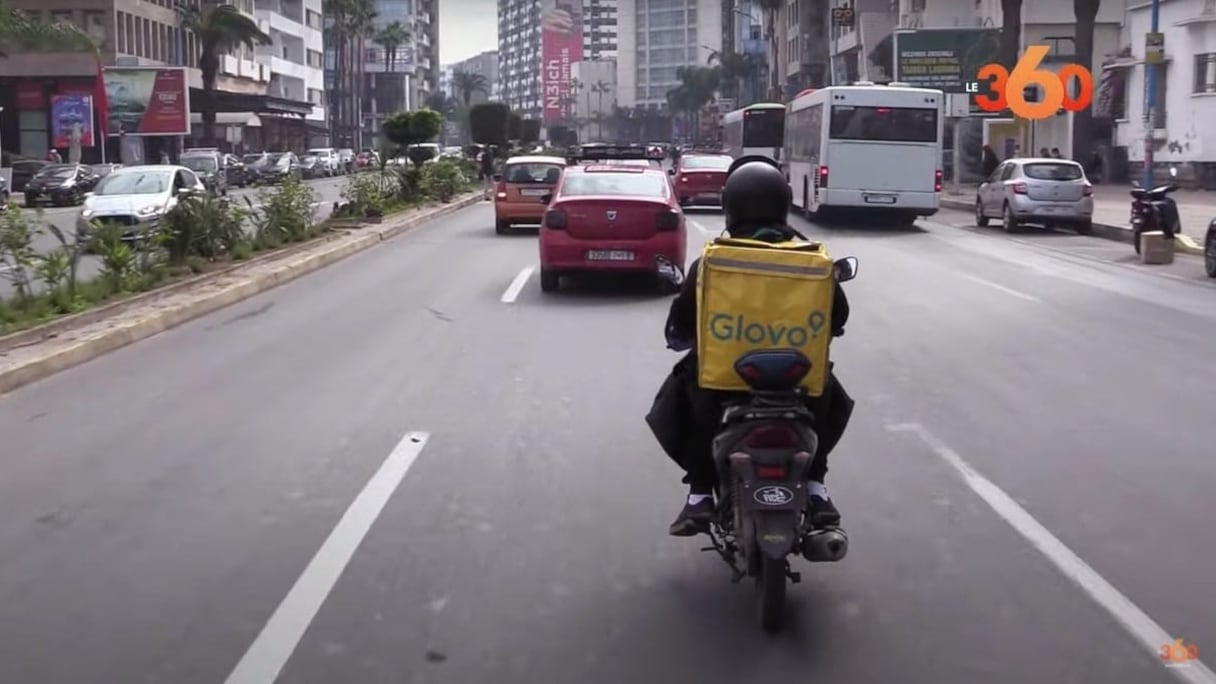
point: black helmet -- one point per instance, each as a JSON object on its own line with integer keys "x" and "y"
{"x": 756, "y": 195}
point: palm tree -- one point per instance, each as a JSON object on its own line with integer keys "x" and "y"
{"x": 439, "y": 101}
{"x": 737, "y": 70}
{"x": 697, "y": 87}
{"x": 466, "y": 84}
{"x": 600, "y": 89}
{"x": 351, "y": 21}
{"x": 1086, "y": 12}
{"x": 218, "y": 29}
{"x": 391, "y": 38}
{"x": 20, "y": 31}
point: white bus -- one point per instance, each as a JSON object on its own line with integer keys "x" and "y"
{"x": 866, "y": 149}
{"x": 755, "y": 130}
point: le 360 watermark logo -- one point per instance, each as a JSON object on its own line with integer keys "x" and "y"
{"x": 1009, "y": 87}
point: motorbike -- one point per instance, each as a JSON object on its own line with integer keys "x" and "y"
{"x": 1154, "y": 210}
{"x": 762, "y": 452}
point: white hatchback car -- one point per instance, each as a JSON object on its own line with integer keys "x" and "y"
{"x": 136, "y": 197}
{"x": 1041, "y": 191}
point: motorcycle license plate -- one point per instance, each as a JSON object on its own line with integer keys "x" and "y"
{"x": 774, "y": 496}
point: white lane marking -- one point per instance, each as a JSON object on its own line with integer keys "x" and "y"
{"x": 1002, "y": 288}
{"x": 1142, "y": 627}
{"x": 269, "y": 652}
{"x": 702, "y": 228}
{"x": 517, "y": 285}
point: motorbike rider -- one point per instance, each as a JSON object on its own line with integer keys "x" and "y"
{"x": 685, "y": 417}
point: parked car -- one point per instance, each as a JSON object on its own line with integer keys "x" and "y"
{"x": 136, "y": 198}
{"x": 1044, "y": 191}
{"x": 279, "y": 165}
{"x": 521, "y": 189}
{"x": 23, "y": 170}
{"x": 367, "y": 159}
{"x": 208, "y": 165}
{"x": 346, "y": 160}
{"x": 614, "y": 218}
{"x": 254, "y": 162}
{"x": 312, "y": 166}
{"x": 104, "y": 170}
{"x": 60, "y": 185}
{"x": 238, "y": 174}
{"x": 328, "y": 158}
{"x": 698, "y": 178}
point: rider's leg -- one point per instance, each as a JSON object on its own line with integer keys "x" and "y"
{"x": 701, "y": 476}
{"x": 833, "y": 417}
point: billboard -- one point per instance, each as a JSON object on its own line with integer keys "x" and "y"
{"x": 67, "y": 112}
{"x": 561, "y": 45}
{"x": 147, "y": 100}
{"x": 945, "y": 59}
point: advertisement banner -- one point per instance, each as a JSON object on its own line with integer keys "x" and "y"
{"x": 67, "y": 112}
{"x": 945, "y": 59}
{"x": 561, "y": 44}
{"x": 147, "y": 100}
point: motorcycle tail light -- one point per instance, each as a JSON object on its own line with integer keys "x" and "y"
{"x": 772, "y": 437}
{"x": 771, "y": 472}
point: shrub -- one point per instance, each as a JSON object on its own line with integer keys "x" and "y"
{"x": 442, "y": 180}
{"x": 204, "y": 225}
{"x": 285, "y": 214}
{"x": 366, "y": 196}
{"x": 488, "y": 123}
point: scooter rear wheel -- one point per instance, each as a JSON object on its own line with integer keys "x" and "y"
{"x": 770, "y": 593}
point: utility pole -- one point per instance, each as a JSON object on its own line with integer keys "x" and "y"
{"x": 1154, "y": 54}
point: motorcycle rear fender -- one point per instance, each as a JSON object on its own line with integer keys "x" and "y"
{"x": 775, "y": 532}
{"x": 743, "y": 471}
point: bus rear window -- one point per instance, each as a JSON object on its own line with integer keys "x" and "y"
{"x": 763, "y": 127}
{"x": 891, "y": 124}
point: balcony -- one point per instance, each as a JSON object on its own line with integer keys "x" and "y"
{"x": 244, "y": 68}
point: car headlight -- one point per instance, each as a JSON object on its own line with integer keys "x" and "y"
{"x": 151, "y": 211}
{"x": 86, "y": 214}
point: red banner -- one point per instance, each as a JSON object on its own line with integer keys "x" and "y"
{"x": 146, "y": 101}
{"x": 30, "y": 95}
{"x": 561, "y": 45}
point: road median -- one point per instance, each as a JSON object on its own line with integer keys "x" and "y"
{"x": 35, "y": 353}
{"x": 1184, "y": 244}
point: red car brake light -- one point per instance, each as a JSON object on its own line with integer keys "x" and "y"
{"x": 772, "y": 437}
{"x": 668, "y": 219}
{"x": 555, "y": 219}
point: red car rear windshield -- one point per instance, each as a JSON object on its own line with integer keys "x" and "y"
{"x": 708, "y": 163}
{"x": 610, "y": 183}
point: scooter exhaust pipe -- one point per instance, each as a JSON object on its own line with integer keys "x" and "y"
{"x": 825, "y": 546}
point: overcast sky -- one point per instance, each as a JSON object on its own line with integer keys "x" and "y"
{"x": 466, "y": 28}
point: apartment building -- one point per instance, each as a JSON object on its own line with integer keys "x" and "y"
{"x": 599, "y": 29}
{"x": 397, "y": 77}
{"x": 519, "y": 55}
{"x": 657, "y": 37}
{"x": 485, "y": 65}
{"x": 743, "y": 26}
{"x": 141, "y": 33}
{"x": 295, "y": 58}
{"x": 801, "y": 46}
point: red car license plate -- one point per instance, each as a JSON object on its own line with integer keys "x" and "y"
{"x": 609, "y": 255}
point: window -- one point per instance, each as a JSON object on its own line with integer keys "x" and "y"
{"x": 1205, "y": 73}
{"x": 1007, "y": 171}
{"x": 313, "y": 19}
{"x": 314, "y": 59}
{"x": 1053, "y": 172}
{"x": 763, "y": 128}
{"x": 891, "y": 124}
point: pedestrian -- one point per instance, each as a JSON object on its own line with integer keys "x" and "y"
{"x": 1095, "y": 166}
{"x": 988, "y": 161}
{"x": 53, "y": 156}
{"x": 1055, "y": 153}
{"x": 1043, "y": 153}
{"x": 487, "y": 171}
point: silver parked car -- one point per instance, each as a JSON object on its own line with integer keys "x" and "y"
{"x": 136, "y": 197}
{"x": 1040, "y": 191}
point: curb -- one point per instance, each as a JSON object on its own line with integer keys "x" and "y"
{"x": 1184, "y": 244}
{"x": 311, "y": 257}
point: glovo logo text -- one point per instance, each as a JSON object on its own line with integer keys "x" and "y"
{"x": 1009, "y": 87}
{"x": 737, "y": 328}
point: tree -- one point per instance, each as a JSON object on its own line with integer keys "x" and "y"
{"x": 1086, "y": 12}
{"x": 218, "y": 29}
{"x": 391, "y": 38}
{"x": 21, "y": 32}
{"x": 530, "y": 131}
{"x": 466, "y": 84}
{"x": 407, "y": 129}
{"x": 515, "y": 126}
{"x": 488, "y": 123}
{"x": 351, "y": 21}
{"x": 439, "y": 101}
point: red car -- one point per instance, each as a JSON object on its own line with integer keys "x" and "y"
{"x": 610, "y": 218}
{"x": 698, "y": 178}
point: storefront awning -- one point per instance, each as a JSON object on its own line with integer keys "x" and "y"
{"x": 248, "y": 119}
{"x": 236, "y": 103}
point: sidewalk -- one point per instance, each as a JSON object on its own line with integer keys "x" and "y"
{"x": 1112, "y": 208}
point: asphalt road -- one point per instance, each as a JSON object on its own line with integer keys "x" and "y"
{"x": 477, "y": 450}
{"x": 328, "y": 191}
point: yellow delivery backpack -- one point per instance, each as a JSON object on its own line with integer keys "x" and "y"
{"x": 759, "y": 295}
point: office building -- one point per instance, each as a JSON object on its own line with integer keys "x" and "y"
{"x": 599, "y": 29}
{"x": 657, "y": 37}
{"x": 295, "y": 57}
{"x": 397, "y": 77}
{"x": 484, "y": 65}
{"x": 519, "y": 55}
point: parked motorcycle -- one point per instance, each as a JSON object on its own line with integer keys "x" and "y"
{"x": 762, "y": 452}
{"x": 1154, "y": 210}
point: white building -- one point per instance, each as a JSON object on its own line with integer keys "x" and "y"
{"x": 599, "y": 29}
{"x": 296, "y": 58}
{"x": 519, "y": 55}
{"x": 594, "y": 98}
{"x": 657, "y": 37}
{"x": 1186, "y": 89}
